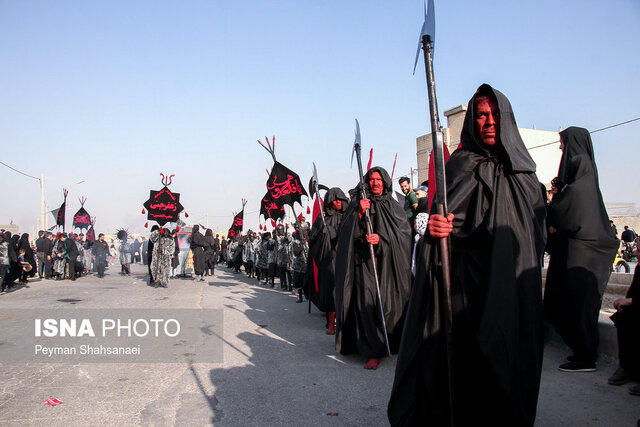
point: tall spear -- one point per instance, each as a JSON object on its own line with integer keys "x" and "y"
{"x": 427, "y": 37}
{"x": 372, "y": 253}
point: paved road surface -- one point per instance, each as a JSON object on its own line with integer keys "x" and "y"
{"x": 279, "y": 368}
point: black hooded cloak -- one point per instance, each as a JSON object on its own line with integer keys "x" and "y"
{"x": 322, "y": 250}
{"x": 209, "y": 250}
{"x": 496, "y": 257}
{"x": 583, "y": 251}
{"x": 358, "y": 323}
{"x": 197, "y": 247}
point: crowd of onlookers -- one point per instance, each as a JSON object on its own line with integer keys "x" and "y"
{"x": 60, "y": 256}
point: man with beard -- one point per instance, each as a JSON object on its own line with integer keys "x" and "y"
{"x": 496, "y": 224}
{"x": 322, "y": 253}
{"x": 100, "y": 250}
{"x": 582, "y": 251}
{"x": 359, "y": 325}
{"x": 410, "y": 198}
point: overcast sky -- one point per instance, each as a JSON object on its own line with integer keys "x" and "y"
{"x": 115, "y": 93}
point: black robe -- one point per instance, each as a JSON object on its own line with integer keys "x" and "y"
{"x": 627, "y": 323}
{"x": 583, "y": 249}
{"x": 209, "y": 250}
{"x": 28, "y": 253}
{"x": 322, "y": 251}
{"x": 496, "y": 258}
{"x": 358, "y": 321}
{"x": 197, "y": 247}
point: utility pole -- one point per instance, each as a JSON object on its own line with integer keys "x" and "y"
{"x": 43, "y": 219}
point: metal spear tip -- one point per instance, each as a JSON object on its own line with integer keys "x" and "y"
{"x": 428, "y": 29}
{"x": 356, "y": 143}
{"x": 315, "y": 173}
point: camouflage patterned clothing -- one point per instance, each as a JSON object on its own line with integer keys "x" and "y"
{"x": 298, "y": 250}
{"x": 261, "y": 254}
{"x": 284, "y": 258}
{"x": 163, "y": 248}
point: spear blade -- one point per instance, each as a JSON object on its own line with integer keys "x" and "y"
{"x": 428, "y": 29}
{"x": 317, "y": 191}
{"x": 356, "y": 143}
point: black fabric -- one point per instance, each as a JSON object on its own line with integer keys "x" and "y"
{"x": 576, "y": 141}
{"x": 627, "y": 323}
{"x": 197, "y": 247}
{"x": 496, "y": 257}
{"x": 175, "y": 261}
{"x": 28, "y": 254}
{"x": 41, "y": 242}
{"x": 209, "y": 250}
{"x": 322, "y": 252}
{"x": 583, "y": 250}
{"x": 71, "y": 248}
{"x": 359, "y": 326}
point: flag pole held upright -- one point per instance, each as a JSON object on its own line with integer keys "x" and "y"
{"x": 427, "y": 37}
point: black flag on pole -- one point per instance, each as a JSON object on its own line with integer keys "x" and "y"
{"x": 269, "y": 209}
{"x": 284, "y": 186}
{"x": 61, "y": 210}
{"x": 82, "y": 219}
{"x": 236, "y": 227}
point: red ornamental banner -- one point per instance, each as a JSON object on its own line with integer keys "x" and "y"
{"x": 163, "y": 206}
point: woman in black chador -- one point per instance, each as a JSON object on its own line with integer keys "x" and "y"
{"x": 28, "y": 257}
{"x": 497, "y": 237}
{"x": 209, "y": 252}
{"x": 197, "y": 247}
{"x": 582, "y": 251}
{"x": 322, "y": 251}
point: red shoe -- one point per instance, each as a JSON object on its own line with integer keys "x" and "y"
{"x": 331, "y": 330}
{"x": 372, "y": 363}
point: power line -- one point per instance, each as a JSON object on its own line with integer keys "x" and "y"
{"x": 14, "y": 169}
{"x": 597, "y": 130}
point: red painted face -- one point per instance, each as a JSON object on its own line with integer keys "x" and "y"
{"x": 487, "y": 120}
{"x": 375, "y": 183}
{"x": 337, "y": 205}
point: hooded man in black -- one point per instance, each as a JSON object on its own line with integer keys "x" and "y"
{"x": 322, "y": 251}
{"x": 197, "y": 247}
{"x": 496, "y": 224}
{"x": 583, "y": 250}
{"x": 358, "y": 322}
